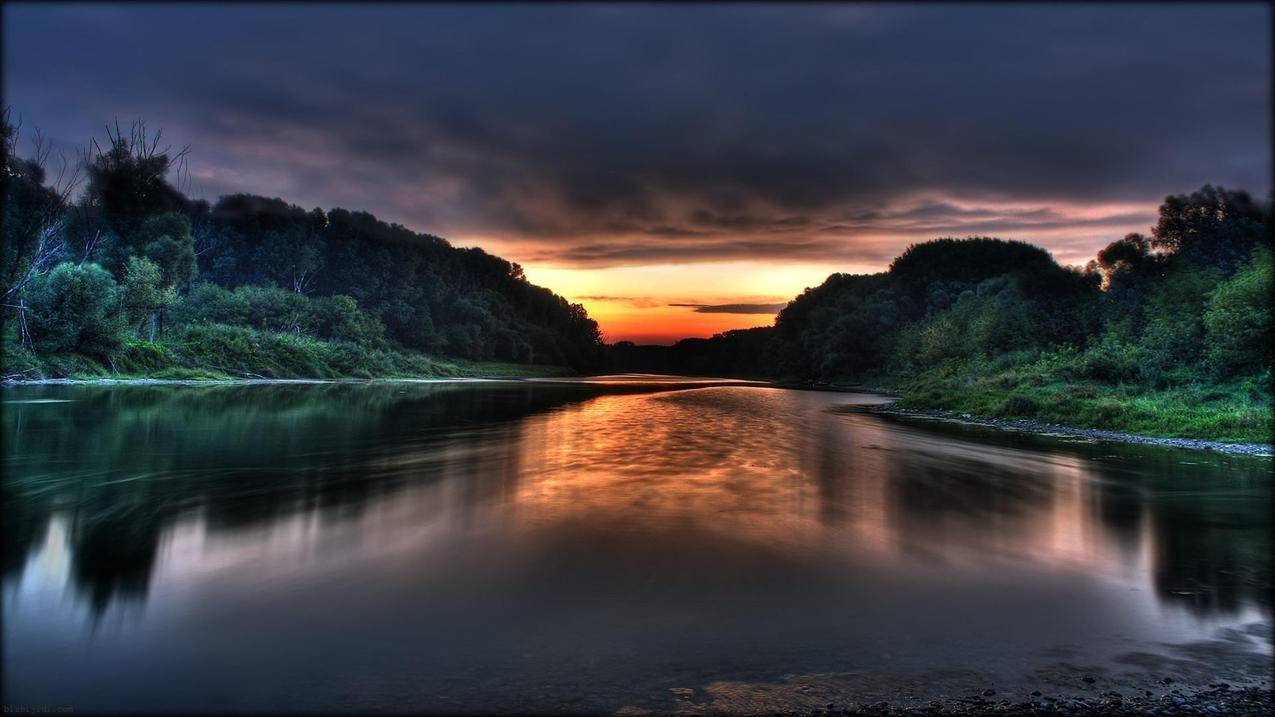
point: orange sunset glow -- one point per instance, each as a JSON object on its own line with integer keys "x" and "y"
{"x": 660, "y": 304}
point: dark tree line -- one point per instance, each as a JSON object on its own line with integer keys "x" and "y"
{"x": 1190, "y": 302}
{"x": 132, "y": 257}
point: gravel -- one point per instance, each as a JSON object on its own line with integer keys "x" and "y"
{"x": 1212, "y": 701}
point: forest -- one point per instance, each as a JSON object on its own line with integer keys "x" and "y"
{"x": 1165, "y": 334}
{"x": 109, "y": 269}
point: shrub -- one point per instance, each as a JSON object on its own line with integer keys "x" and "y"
{"x": 1174, "y": 333}
{"x": 1019, "y": 405}
{"x": 1111, "y": 360}
{"x": 269, "y": 308}
{"x": 75, "y": 309}
{"x": 1237, "y": 320}
{"x": 340, "y": 318}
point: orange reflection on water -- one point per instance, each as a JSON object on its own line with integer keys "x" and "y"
{"x": 773, "y": 466}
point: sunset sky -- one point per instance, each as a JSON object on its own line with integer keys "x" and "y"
{"x": 679, "y": 170}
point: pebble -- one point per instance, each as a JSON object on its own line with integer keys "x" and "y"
{"x": 1242, "y": 701}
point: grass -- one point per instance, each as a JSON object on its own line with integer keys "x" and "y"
{"x": 1237, "y": 411}
{"x": 1046, "y": 388}
{"x": 219, "y": 352}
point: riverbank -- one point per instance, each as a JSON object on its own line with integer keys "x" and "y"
{"x": 1229, "y": 419}
{"x": 1180, "y": 681}
{"x": 1054, "y": 429}
{"x": 1218, "y": 700}
{"x": 226, "y": 354}
{"x": 255, "y": 381}
{"x": 1228, "y": 412}
{"x": 471, "y": 372}
{"x": 1232, "y": 410}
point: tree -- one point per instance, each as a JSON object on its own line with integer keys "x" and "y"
{"x": 1131, "y": 255}
{"x": 75, "y": 309}
{"x": 145, "y": 294}
{"x": 1173, "y": 336}
{"x": 34, "y": 218}
{"x": 128, "y": 180}
{"x": 166, "y": 240}
{"x": 1237, "y": 320}
{"x": 292, "y": 257}
{"x": 1212, "y": 227}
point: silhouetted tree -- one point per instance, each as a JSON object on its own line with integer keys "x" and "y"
{"x": 1212, "y": 227}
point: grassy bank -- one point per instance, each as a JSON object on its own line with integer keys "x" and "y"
{"x": 1238, "y": 411}
{"x": 227, "y": 352}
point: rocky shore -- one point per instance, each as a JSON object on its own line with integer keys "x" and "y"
{"x": 1053, "y": 429}
{"x": 1219, "y": 699}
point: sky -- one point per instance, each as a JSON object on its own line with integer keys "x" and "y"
{"x": 678, "y": 169}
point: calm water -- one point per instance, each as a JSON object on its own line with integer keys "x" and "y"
{"x": 596, "y": 546}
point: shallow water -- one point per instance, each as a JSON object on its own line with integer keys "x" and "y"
{"x": 590, "y": 546}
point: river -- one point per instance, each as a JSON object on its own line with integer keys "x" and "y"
{"x": 625, "y": 544}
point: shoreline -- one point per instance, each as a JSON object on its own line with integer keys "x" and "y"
{"x": 652, "y": 380}
{"x": 1218, "y": 698}
{"x": 247, "y": 381}
{"x": 1021, "y": 425}
{"x": 1025, "y": 425}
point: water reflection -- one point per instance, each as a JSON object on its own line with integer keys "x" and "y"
{"x": 390, "y": 543}
{"x": 122, "y": 463}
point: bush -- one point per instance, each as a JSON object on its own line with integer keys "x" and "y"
{"x": 75, "y": 309}
{"x": 1019, "y": 405}
{"x": 1237, "y": 320}
{"x": 1112, "y": 361}
{"x": 340, "y": 318}
{"x": 240, "y": 351}
{"x": 1174, "y": 333}
{"x": 269, "y": 308}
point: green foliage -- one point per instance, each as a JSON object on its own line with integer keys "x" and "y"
{"x": 1112, "y": 361}
{"x": 1232, "y": 411}
{"x": 270, "y": 308}
{"x": 144, "y": 291}
{"x": 1018, "y": 405}
{"x": 946, "y": 300}
{"x": 75, "y": 309}
{"x": 1173, "y": 336}
{"x": 1237, "y": 319}
{"x": 339, "y": 317}
{"x": 168, "y": 243}
{"x": 339, "y": 275}
{"x": 427, "y": 294}
{"x": 1135, "y": 341}
{"x": 239, "y": 351}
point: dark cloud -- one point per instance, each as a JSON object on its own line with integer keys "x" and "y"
{"x": 598, "y": 135}
{"x": 735, "y": 308}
